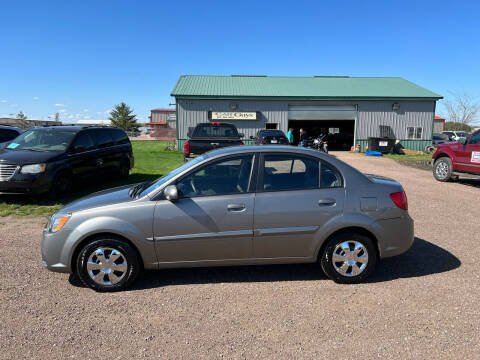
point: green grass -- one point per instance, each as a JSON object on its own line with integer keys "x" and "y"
{"x": 151, "y": 161}
{"x": 409, "y": 157}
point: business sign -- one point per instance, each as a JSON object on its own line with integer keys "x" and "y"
{"x": 234, "y": 115}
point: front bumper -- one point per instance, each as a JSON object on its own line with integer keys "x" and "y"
{"x": 53, "y": 255}
{"x": 26, "y": 184}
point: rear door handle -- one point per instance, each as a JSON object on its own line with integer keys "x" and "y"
{"x": 326, "y": 202}
{"x": 236, "y": 207}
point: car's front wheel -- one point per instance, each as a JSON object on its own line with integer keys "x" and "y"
{"x": 108, "y": 264}
{"x": 349, "y": 258}
{"x": 442, "y": 169}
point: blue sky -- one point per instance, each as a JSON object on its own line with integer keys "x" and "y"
{"x": 82, "y": 57}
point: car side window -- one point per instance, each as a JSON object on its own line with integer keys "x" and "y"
{"x": 83, "y": 142}
{"x": 7, "y": 135}
{"x": 475, "y": 138}
{"x": 290, "y": 172}
{"x": 120, "y": 136}
{"x": 104, "y": 138}
{"x": 222, "y": 177}
{"x": 329, "y": 176}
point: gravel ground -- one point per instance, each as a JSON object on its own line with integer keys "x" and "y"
{"x": 423, "y": 304}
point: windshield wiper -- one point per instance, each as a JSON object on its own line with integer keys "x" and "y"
{"x": 134, "y": 190}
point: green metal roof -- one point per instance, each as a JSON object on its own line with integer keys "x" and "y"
{"x": 287, "y": 87}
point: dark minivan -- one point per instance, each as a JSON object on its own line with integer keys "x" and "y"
{"x": 49, "y": 159}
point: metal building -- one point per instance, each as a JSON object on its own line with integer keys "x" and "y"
{"x": 355, "y": 108}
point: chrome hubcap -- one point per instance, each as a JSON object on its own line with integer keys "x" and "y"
{"x": 441, "y": 169}
{"x": 350, "y": 258}
{"x": 106, "y": 266}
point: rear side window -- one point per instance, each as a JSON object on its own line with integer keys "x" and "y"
{"x": 329, "y": 176}
{"x": 7, "y": 135}
{"x": 104, "y": 138}
{"x": 290, "y": 172}
{"x": 222, "y": 130}
{"x": 475, "y": 138}
{"x": 119, "y": 136}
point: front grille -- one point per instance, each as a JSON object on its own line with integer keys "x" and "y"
{"x": 7, "y": 171}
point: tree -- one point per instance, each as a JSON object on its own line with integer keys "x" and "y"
{"x": 57, "y": 116}
{"x": 122, "y": 117}
{"x": 453, "y": 126}
{"x": 22, "y": 120}
{"x": 462, "y": 108}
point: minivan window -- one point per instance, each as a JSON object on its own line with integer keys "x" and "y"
{"x": 290, "y": 172}
{"x": 83, "y": 142}
{"x": 7, "y": 135}
{"x": 119, "y": 136}
{"x": 221, "y": 177}
{"x": 43, "y": 140}
{"x": 104, "y": 138}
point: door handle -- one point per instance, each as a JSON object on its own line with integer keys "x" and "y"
{"x": 236, "y": 207}
{"x": 326, "y": 202}
{"x": 99, "y": 161}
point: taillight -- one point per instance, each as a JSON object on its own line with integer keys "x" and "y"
{"x": 186, "y": 149}
{"x": 400, "y": 199}
{"x": 241, "y": 143}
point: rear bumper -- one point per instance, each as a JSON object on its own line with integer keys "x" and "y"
{"x": 398, "y": 235}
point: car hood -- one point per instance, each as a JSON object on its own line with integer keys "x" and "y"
{"x": 102, "y": 198}
{"x": 21, "y": 157}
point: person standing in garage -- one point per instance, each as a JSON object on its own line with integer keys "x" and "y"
{"x": 290, "y": 136}
{"x": 303, "y": 138}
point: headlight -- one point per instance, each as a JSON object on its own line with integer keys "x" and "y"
{"x": 33, "y": 169}
{"x": 57, "y": 222}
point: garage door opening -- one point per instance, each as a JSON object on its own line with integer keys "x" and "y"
{"x": 340, "y": 132}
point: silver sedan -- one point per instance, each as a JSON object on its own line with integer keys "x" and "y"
{"x": 234, "y": 206}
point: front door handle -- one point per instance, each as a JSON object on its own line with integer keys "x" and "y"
{"x": 99, "y": 161}
{"x": 326, "y": 202}
{"x": 236, "y": 207}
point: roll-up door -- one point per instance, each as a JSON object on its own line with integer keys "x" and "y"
{"x": 302, "y": 112}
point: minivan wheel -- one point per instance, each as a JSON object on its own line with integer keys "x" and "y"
{"x": 349, "y": 258}
{"x": 108, "y": 264}
{"x": 442, "y": 169}
{"x": 124, "y": 170}
{"x": 61, "y": 186}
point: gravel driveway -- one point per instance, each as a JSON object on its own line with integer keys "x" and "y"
{"x": 423, "y": 304}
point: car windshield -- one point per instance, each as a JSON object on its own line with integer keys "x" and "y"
{"x": 43, "y": 140}
{"x": 159, "y": 182}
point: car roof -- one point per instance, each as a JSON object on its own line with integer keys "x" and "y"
{"x": 9, "y": 127}
{"x": 265, "y": 148}
{"x": 75, "y": 128}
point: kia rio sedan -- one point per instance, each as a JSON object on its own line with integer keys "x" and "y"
{"x": 234, "y": 206}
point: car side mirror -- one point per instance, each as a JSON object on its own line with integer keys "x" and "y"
{"x": 171, "y": 193}
{"x": 251, "y": 137}
{"x": 79, "y": 149}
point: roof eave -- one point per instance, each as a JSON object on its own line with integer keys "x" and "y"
{"x": 233, "y": 97}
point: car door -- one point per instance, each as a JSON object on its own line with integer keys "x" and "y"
{"x": 213, "y": 218}
{"x": 468, "y": 156}
{"x": 105, "y": 154}
{"x": 296, "y": 195}
{"x": 82, "y": 156}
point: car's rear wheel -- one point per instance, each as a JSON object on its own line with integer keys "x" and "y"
{"x": 124, "y": 170}
{"x": 349, "y": 258}
{"x": 108, "y": 264}
{"x": 442, "y": 169}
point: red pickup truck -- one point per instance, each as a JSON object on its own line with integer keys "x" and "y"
{"x": 455, "y": 159}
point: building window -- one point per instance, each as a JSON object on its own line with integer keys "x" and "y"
{"x": 414, "y": 132}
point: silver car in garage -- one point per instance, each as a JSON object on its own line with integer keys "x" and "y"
{"x": 234, "y": 206}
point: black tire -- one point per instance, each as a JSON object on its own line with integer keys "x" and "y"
{"x": 442, "y": 169}
{"x": 429, "y": 149}
{"x": 330, "y": 266}
{"x": 125, "y": 274}
{"x": 61, "y": 186}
